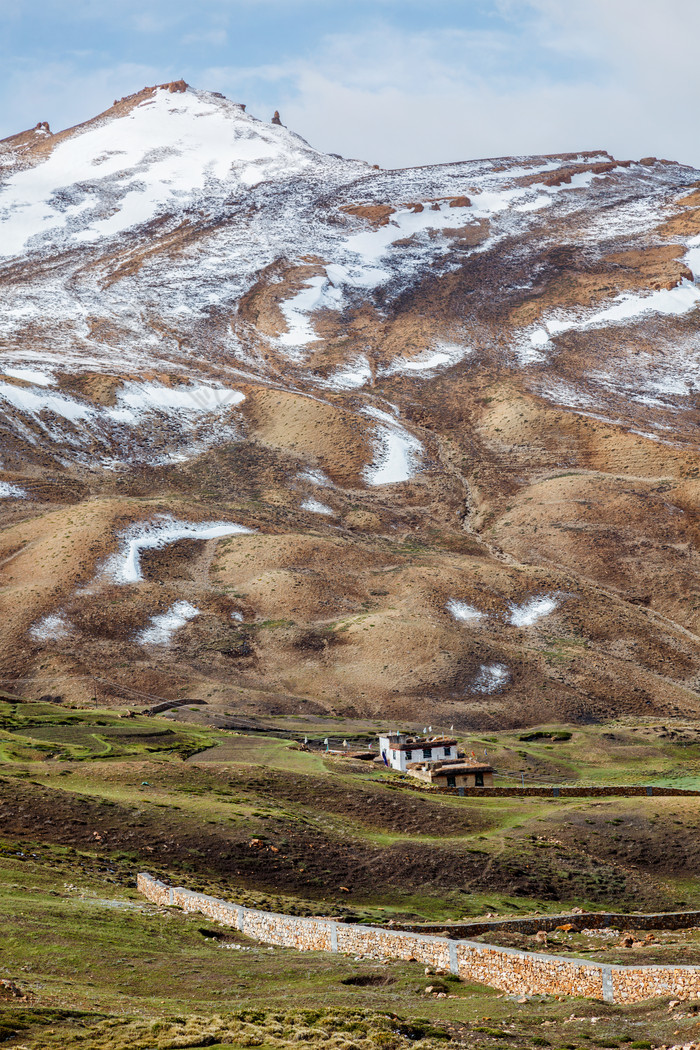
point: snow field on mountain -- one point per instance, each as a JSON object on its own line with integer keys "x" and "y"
{"x": 171, "y": 145}
{"x": 253, "y": 194}
{"x": 163, "y": 626}
{"x": 371, "y": 258}
{"x": 124, "y": 566}
{"x": 184, "y": 152}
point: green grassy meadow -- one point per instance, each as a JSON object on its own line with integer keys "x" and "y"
{"x": 89, "y": 798}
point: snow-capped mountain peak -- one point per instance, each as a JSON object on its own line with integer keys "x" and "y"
{"x": 158, "y": 154}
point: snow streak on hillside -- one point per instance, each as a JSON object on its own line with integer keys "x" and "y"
{"x": 129, "y": 429}
{"x": 178, "y": 235}
{"x": 125, "y": 565}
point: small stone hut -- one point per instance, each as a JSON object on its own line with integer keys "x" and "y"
{"x": 453, "y": 774}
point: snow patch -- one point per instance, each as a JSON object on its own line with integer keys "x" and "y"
{"x": 125, "y": 565}
{"x": 315, "y": 476}
{"x": 52, "y": 628}
{"x": 353, "y": 375}
{"x": 315, "y": 507}
{"x": 30, "y": 375}
{"x": 163, "y": 626}
{"x": 443, "y": 355}
{"x": 628, "y": 307}
{"x": 8, "y": 491}
{"x": 491, "y": 678}
{"x": 137, "y": 399}
{"x": 463, "y": 611}
{"x": 398, "y": 453}
{"x": 317, "y": 294}
{"x": 34, "y": 401}
{"x": 532, "y": 610}
{"x": 678, "y": 300}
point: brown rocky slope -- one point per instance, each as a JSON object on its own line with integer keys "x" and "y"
{"x": 454, "y": 408}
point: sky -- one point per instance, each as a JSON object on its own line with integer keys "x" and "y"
{"x": 394, "y": 82}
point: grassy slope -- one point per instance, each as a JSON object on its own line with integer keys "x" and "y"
{"x": 75, "y": 827}
{"x": 134, "y": 976}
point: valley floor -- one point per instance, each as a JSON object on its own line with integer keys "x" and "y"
{"x": 88, "y": 798}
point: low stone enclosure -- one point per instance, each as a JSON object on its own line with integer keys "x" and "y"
{"x": 554, "y": 790}
{"x": 509, "y": 970}
{"x": 591, "y": 920}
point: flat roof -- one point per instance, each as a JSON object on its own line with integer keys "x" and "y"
{"x": 418, "y": 745}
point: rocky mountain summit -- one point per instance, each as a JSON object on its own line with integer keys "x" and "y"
{"x": 291, "y": 433}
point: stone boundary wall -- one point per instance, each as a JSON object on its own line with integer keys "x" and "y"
{"x": 509, "y": 970}
{"x": 569, "y": 791}
{"x": 543, "y": 790}
{"x": 669, "y": 920}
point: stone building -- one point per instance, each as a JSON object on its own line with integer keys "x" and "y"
{"x": 399, "y": 750}
{"x": 453, "y": 773}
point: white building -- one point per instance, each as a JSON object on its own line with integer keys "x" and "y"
{"x": 398, "y": 749}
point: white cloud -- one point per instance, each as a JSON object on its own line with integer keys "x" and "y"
{"x": 580, "y": 74}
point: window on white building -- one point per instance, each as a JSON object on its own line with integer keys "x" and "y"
{"x": 427, "y": 752}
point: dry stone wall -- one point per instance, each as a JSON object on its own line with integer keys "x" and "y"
{"x": 510, "y": 970}
{"x": 590, "y": 920}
